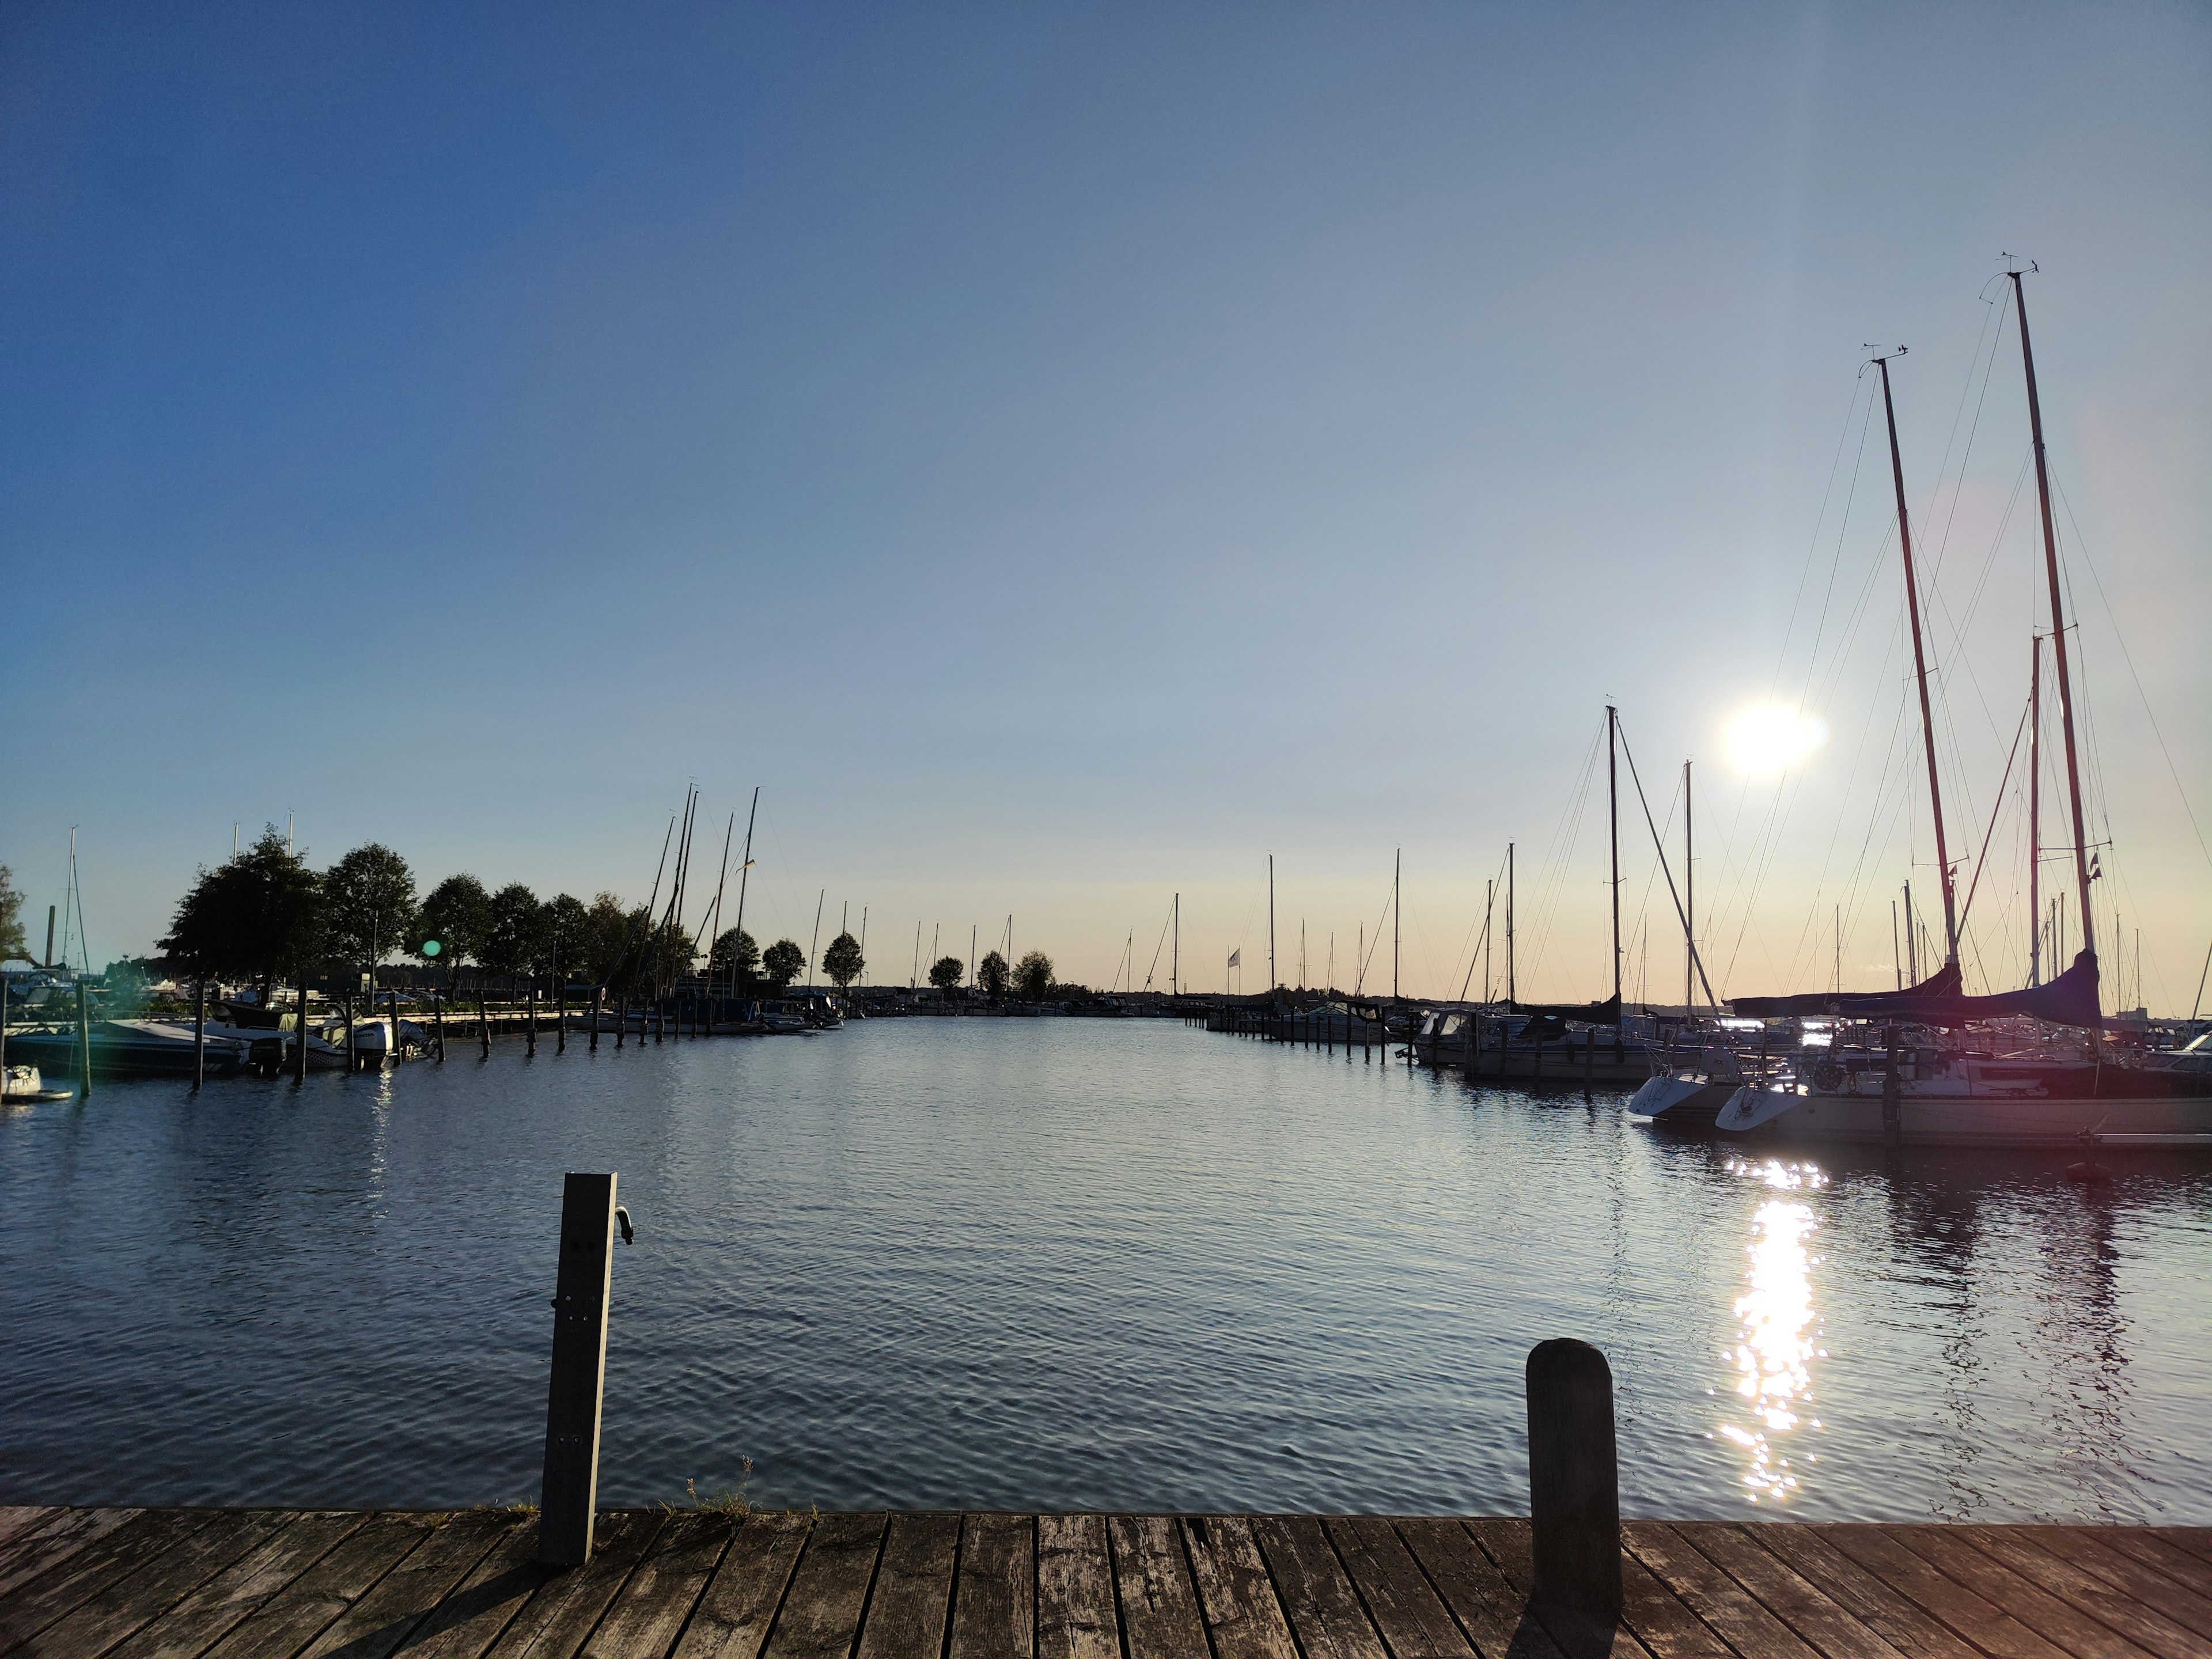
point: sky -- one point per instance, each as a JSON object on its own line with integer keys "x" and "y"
{"x": 1063, "y": 456}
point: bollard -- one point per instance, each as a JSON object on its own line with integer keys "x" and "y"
{"x": 568, "y": 1494}
{"x": 1574, "y": 1479}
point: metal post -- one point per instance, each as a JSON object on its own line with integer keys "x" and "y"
{"x": 567, "y": 1495}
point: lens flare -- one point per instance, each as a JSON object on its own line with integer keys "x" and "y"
{"x": 1771, "y": 739}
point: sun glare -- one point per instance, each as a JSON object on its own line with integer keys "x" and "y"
{"x": 1771, "y": 738}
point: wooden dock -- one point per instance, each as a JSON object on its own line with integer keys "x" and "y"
{"x": 92, "y": 1583}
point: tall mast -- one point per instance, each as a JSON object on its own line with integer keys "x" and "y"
{"x": 1271, "y": 924}
{"x": 1509, "y": 922}
{"x": 1397, "y": 873}
{"x": 2058, "y": 626}
{"x": 815, "y": 944}
{"x": 1175, "y": 956}
{"x": 1920, "y": 670}
{"x": 1612, "y": 831}
{"x": 2034, "y": 809}
{"x": 1489, "y": 898}
{"x": 745, "y": 869}
{"x": 1689, "y": 903}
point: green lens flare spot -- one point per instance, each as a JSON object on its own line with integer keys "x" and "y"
{"x": 431, "y": 947}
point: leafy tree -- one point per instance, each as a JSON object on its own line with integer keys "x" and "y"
{"x": 1033, "y": 977}
{"x": 511, "y": 940}
{"x": 991, "y": 973}
{"x": 736, "y": 951}
{"x": 255, "y": 917}
{"x": 457, "y": 915}
{"x": 782, "y": 962}
{"x": 368, "y": 905}
{"x": 12, "y": 943}
{"x": 610, "y": 933}
{"x": 843, "y": 961}
{"x": 564, "y": 937}
{"x": 947, "y": 972}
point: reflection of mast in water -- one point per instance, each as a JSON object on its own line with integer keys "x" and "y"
{"x": 2079, "y": 1324}
{"x": 1935, "y": 1227}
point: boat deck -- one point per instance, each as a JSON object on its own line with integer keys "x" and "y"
{"x": 94, "y": 1582}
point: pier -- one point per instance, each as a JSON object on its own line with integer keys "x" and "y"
{"x": 89, "y": 1583}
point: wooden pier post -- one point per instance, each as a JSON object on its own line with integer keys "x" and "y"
{"x": 1574, "y": 1479}
{"x": 199, "y": 1034}
{"x": 1892, "y": 1111}
{"x": 560, "y": 1029}
{"x": 83, "y": 1043}
{"x": 567, "y": 1495}
{"x": 483, "y": 1021}
{"x": 299, "y": 1036}
{"x": 438, "y": 1019}
{"x": 622, "y": 1023}
{"x": 530, "y": 1039}
{"x": 596, "y": 991}
{"x": 1590, "y": 1064}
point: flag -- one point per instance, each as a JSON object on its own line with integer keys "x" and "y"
{"x": 1235, "y": 956}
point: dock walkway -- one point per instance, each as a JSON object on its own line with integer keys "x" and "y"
{"x": 119, "y": 1584}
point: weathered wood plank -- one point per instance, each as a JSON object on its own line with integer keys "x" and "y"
{"x": 1947, "y": 1550}
{"x": 995, "y": 1613}
{"x": 1234, "y": 1595}
{"x": 1314, "y": 1591}
{"x": 98, "y": 1623}
{"x": 377, "y": 1623}
{"x": 235, "y": 1593}
{"x": 1825, "y": 1624}
{"x": 914, "y": 1587}
{"x": 1987, "y": 1626}
{"x": 468, "y": 1621}
{"x": 2150, "y": 1545}
{"x": 70, "y": 1571}
{"x": 822, "y": 1609}
{"x": 1159, "y": 1604}
{"x": 21, "y": 1520}
{"x": 66, "y": 1534}
{"x": 1723, "y": 1606}
{"x": 1890, "y": 1614}
{"x": 299, "y": 1612}
{"x": 2198, "y": 1541}
{"x": 657, "y": 1599}
{"x": 568, "y": 1602}
{"x": 1075, "y": 1612}
{"x": 1493, "y": 1614}
{"x": 2092, "y": 1549}
{"x": 1413, "y": 1622}
{"x": 1647, "y": 1607}
{"x": 2086, "y": 1592}
{"x": 739, "y": 1605}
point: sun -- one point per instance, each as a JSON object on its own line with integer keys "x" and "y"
{"x": 1771, "y": 739}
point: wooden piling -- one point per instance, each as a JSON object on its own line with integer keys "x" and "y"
{"x": 561, "y": 1028}
{"x": 622, "y": 1024}
{"x": 596, "y": 991}
{"x": 1892, "y": 1112}
{"x": 483, "y": 1021}
{"x": 1574, "y": 1480}
{"x": 83, "y": 1043}
{"x": 1589, "y": 1064}
{"x": 529, "y": 1036}
{"x": 438, "y": 1019}
{"x": 199, "y": 1034}
{"x": 568, "y": 1492}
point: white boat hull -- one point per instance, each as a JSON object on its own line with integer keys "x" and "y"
{"x": 1967, "y": 1120}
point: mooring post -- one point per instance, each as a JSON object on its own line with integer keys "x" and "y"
{"x": 438, "y": 1019}
{"x": 1893, "y": 1113}
{"x": 83, "y": 1043}
{"x": 567, "y": 1496}
{"x": 1590, "y": 1063}
{"x": 596, "y": 990}
{"x": 396, "y": 1050}
{"x": 483, "y": 1021}
{"x": 529, "y": 1041}
{"x": 199, "y": 1034}
{"x": 561, "y": 1028}
{"x": 622, "y": 1023}
{"x": 1574, "y": 1479}
{"x": 300, "y": 1035}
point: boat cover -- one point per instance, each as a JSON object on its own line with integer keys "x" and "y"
{"x": 1586, "y": 1013}
{"x": 2068, "y": 999}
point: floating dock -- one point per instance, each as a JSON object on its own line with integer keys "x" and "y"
{"x": 119, "y": 1584}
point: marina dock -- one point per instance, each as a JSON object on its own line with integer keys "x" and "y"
{"x": 90, "y": 1584}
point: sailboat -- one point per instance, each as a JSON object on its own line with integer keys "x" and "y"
{"x": 1960, "y": 1089}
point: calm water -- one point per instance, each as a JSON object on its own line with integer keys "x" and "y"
{"x": 1070, "y": 1264}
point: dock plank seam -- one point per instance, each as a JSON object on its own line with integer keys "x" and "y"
{"x": 1182, "y": 1526}
{"x": 2081, "y": 1589}
{"x": 1957, "y": 1559}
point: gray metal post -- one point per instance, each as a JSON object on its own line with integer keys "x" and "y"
{"x": 1574, "y": 1479}
{"x": 568, "y": 1496}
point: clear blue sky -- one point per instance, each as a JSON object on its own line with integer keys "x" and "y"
{"x": 1062, "y": 454}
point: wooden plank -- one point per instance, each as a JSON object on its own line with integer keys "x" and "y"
{"x": 1075, "y": 1615}
{"x": 1159, "y": 1604}
{"x": 1987, "y": 1626}
{"x": 914, "y": 1587}
{"x": 376, "y": 1624}
{"x": 1314, "y": 1591}
{"x": 566, "y": 1604}
{"x": 657, "y": 1601}
{"x": 822, "y": 1609}
{"x": 471, "y": 1619}
{"x": 995, "y": 1613}
{"x": 1825, "y": 1624}
{"x": 56, "y": 1542}
{"x": 1413, "y": 1622}
{"x": 1647, "y": 1609}
{"x": 740, "y": 1602}
{"x": 2087, "y": 1592}
{"x": 2198, "y": 1541}
{"x": 2150, "y": 1545}
{"x": 209, "y": 1613}
{"x": 1723, "y": 1606}
{"x": 2096, "y": 1550}
{"x": 81, "y": 1572}
{"x": 1234, "y": 1596}
{"x": 1947, "y": 1550}
{"x": 1494, "y": 1615}
{"x": 21, "y": 1520}
{"x": 1890, "y": 1614}
{"x": 298, "y": 1614}
{"x": 98, "y": 1623}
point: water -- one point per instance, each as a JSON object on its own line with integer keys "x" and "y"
{"x": 1070, "y": 1264}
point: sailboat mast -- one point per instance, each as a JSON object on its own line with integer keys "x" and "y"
{"x": 745, "y": 869}
{"x": 1509, "y": 922}
{"x": 2057, "y": 626}
{"x": 1920, "y": 669}
{"x": 1689, "y": 903}
{"x": 2034, "y": 809}
{"x": 1613, "y": 833}
{"x": 1397, "y": 874}
{"x": 1175, "y": 955}
{"x": 1271, "y": 925}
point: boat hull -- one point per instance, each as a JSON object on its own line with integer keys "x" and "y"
{"x": 1967, "y": 1120}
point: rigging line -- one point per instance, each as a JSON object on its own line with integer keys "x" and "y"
{"x": 1807, "y": 935}
{"x": 1156, "y": 949}
{"x": 1476, "y": 951}
{"x": 1376, "y": 943}
{"x": 1550, "y": 885}
{"x": 2003, "y": 307}
{"x": 1813, "y": 545}
{"x": 1835, "y": 564}
{"x": 1981, "y": 859}
{"x": 1696, "y": 960}
{"x": 2128, "y": 657}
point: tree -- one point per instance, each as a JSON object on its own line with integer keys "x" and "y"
{"x": 946, "y": 972}
{"x": 255, "y": 917}
{"x": 990, "y": 974}
{"x": 610, "y": 932}
{"x": 782, "y": 962}
{"x": 735, "y": 955}
{"x": 368, "y": 905}
{"x": 456, "y": 917}
{"x": 843, "y": 961}
{"x": 1033, "y": 977}
{"x": 12, "y": 943}
{"x": 564, "y": 937}
{"x": 510, "y": 942}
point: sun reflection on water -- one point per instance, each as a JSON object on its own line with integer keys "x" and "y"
{"x": 1778, "y": 1328}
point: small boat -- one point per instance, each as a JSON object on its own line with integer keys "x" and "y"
{"x": 22, "y": 1084}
